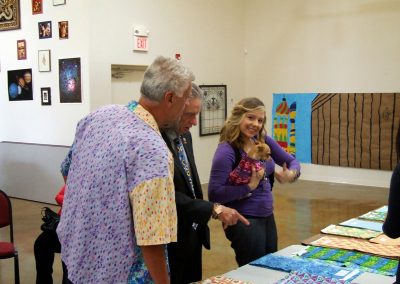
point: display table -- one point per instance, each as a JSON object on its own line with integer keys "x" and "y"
{"x": 259, "y": 275}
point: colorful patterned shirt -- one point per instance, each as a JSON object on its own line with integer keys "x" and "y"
{"x": 120, "y": 196}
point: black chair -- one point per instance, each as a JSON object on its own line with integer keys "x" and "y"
{"x": 7, "y": 249}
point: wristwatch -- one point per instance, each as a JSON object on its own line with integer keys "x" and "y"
{"x": 216, "y": 210}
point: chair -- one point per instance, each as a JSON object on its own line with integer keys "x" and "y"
{"x": 7, "y": 249}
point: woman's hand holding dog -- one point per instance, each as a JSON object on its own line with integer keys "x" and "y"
{"x": 255, "y": 178}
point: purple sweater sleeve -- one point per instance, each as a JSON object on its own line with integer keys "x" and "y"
{"x": 219, "y": 190}
{"x": 280, "y": 156}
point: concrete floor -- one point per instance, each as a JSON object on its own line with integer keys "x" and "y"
{"x": 302, "y": 209}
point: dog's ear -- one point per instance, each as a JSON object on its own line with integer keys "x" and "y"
{"x": 264, "y": 151}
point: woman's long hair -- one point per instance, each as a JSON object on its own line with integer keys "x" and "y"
{"x": 230, "y": 132}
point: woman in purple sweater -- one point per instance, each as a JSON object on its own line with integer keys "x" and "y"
{"x": 244, "y": 127}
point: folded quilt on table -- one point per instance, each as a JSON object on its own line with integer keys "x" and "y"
{"x": 219, "y": 279}
{"x": 296, "y": 277}
{"x": 350, "y": 232}
{"x": 374, "y": 216}
{"x": 357, "y": 244}
{"x": 310, "y": 266}
{"x": 364, "y": 224}
{"x": 353, "y": 259}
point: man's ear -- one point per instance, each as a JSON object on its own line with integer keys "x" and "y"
{"x": 168, "y": 97}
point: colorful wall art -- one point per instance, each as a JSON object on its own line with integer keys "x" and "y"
{"x": 338, "y": 129}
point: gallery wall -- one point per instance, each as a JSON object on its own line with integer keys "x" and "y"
{"x": 29, "y": 121}
{"x": 312, "y": 46}
{"x": 208, "y": 36}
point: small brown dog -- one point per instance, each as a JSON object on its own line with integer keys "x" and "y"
{"x": 260, "y": 151}
{"x": 242, "y": 173}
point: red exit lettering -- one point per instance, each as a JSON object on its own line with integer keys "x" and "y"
{"x": 141, "y": 43}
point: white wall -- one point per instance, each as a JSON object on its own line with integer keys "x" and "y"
{"x": 323, "y": 46}
{"x": 208, "y": 34}
{"x": 292, "y": 46}
{"x": 29, "y": 121}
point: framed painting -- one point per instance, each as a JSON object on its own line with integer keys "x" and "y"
{"x": 37, "y": 7}
{"x": 44, "y": 60}
{"x": 70, "y": 80}
{"x": 45, "y": 30}
{"x": 12, "y": 19}
{"x": 21, "y": 49}
{"x": 63, "y": 29}
{"x": 213, "y": 113}
{"x": 45, "y": 95}
{"x": 20, "y": 85}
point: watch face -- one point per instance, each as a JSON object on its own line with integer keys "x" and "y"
{"x": 218, "y": 209}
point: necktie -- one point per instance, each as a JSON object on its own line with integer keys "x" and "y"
{"x": 184, "y": 162}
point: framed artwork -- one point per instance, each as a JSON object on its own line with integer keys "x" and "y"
{"x": 10, "y": 19}
{"x": 213, "y": 113}
{"x": 37, "y": 7}
{"x": 21, "y": 49}
{"x": 58, "y": 2}
{"x": 20, "y": 85}
{"x": 70, "y": 80}
{"x": 45, "y": 95}
{"x": 63, "y": 29}
{"x": 45, "y": 30}
{"x": 44, "y": 60}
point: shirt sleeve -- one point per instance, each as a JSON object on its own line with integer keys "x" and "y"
{"x": 219, "y": 188}
{"x": 66, "y": 163}
{"x": 280, "y": 156}
{"x": 154, "y": 211}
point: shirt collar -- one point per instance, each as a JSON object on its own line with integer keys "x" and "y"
{"x": 143, "y": 114}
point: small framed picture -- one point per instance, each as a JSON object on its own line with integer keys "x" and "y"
{"x": 45, "y": 30}
{"x": 213, "y": 113}
{"x": 45, "y": 95}
{"x": 21, "y": 49}
{"x": 44, "y": 60}
{"x": 58, "y": 2}
{"x": 63, "y": 29}
{"x": 37, "y": 7}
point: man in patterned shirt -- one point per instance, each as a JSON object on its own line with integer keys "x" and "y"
{"x": 119, "y": 209}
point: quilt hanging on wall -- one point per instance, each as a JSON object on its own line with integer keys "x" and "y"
{"x": 338, "y": 129}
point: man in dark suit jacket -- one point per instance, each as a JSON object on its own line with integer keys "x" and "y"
{"x": 193, "y": 212}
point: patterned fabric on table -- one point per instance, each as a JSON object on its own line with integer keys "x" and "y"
{"x": 385, "y": 240}
{"x": 364, "y": 224}
{"x": 296, "y": 277}
{"x": 353, "y": 259}
{"x": 223, "y": 280}
{"x": 357, "y": 244}
{"x": 312, "y": 266}
{"x": 374, "y": 216}
{"x": 350, "y": 232}
{"x": 382, "y": 209}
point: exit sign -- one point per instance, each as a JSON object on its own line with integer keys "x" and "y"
{"x": 141, "y": 43}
